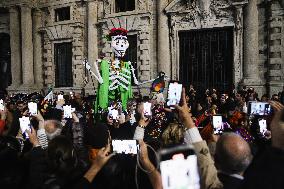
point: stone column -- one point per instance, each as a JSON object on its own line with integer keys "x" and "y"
{"x": 37, "y": 49}
{"x": 93, "y": 42}
{"x": 15, "y": 47}
{"x": 251, "y": 52}
{"x": 92, "y": 32}
{"x": 164, "y": 58}
{"x": 27, "y": 46}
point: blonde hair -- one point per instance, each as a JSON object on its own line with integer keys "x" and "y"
{"x": 173, "y": 134}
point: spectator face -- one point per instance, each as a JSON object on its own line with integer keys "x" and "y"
{"x": 275, "y": 97}
{"x": 21, "y": 106}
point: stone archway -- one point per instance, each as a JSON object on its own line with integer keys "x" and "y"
{"x": 5, "y": 61}
{"x": 204, "y": 14}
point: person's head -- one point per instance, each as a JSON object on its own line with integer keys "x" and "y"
{"x": 61, "y": 156}
{"x": 275, "y": 97}
{"x": 233, "y": 154}
{"x": 54, "y": 114}
{"x": 264, "y": 98}
{"x": 52, "y": 128}
{"x": 118, "y": 172}
{"x": 173, "y": 135}
{"x": 21, "y": 106}
{"x": 96, "y": 138}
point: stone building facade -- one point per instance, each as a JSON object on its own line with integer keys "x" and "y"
{"x": 51, "y": 38}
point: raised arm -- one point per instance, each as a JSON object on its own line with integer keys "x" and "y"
{"x": 97, "y": 75}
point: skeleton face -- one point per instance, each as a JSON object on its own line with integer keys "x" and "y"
{"x": 119, "y": 45}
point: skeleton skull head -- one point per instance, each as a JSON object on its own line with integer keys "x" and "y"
{"x": 119, "y": 45}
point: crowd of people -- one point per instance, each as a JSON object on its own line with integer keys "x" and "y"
{"x": 76, "y": 152}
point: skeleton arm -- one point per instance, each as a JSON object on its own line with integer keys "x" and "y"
{"x": 133, "y": 73}
{"x": 145, "y": 82}
{"x": 98, "y": 76}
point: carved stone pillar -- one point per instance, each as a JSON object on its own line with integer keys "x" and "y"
{"x": 92, "y": 32}
{"x": 92, "y": 40}
{"x": 15, "y": 47}
{"x": 164, "y": 57}
{"x": 251, "y": 52}
{"x": 37, "y": 49}
{"x": 27, "y": 46}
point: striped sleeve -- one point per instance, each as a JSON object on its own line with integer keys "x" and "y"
{"x": 42, "y": 138}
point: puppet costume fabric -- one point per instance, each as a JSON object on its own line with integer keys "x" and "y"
{"x": 120, "y": 93}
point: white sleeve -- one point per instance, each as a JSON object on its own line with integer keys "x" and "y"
{"x": 139, "y": 133}
{"x": 192, "y": 136}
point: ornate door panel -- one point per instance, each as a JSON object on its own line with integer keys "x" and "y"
{"x": 206, "y": 58}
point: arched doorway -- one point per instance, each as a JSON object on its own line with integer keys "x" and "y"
{"x": 5, "y": 61}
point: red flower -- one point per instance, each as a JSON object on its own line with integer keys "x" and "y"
{"x": 118, "y": 31}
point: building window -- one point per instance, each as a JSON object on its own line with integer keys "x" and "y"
{"x": 63, "y": 62}
{"x": 62, "y": 14}
{"x": 131, "y": 53}
{"x": 124, "y": 5}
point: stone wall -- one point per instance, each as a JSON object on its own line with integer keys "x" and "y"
{"x": 276, "y": 48}
{"x": 64, "y": 31}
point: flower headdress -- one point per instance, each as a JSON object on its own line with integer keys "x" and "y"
{"x": 116, "y": 31}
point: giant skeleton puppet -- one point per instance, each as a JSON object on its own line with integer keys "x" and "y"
{"x": 115, "y": 77}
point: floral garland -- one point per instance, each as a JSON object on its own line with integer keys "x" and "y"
{"x": 115, "y": 69}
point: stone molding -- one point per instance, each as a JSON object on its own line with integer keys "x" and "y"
{"x": 201, "y": 14}
{"x": 141, "y": 6}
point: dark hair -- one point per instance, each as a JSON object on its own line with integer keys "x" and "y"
{"x": 53, "y": 114}
{"x": 97, "y": 136}
{"x": 61, "y": 156}
{"x": 118, "y": 172}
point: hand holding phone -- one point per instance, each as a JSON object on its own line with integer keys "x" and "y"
{"x": 25, "y": 126}
{"x": 32, "y": 108}
{"x": 2, "y": 106}
{"x": 218, "y": 124}
{"x": 179, "y": 168}
{"x": 174, "y": 94}
{"x": 113, "y": 113}
{"x": 147, "y": 109}
{"x": 67, "y": 111}
{"x": 125, "y": 146}
{"x": 262, "y": 126}
{"x": 259, "y": 108}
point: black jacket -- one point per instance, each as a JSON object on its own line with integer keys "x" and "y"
{"x": 266, "y": 171}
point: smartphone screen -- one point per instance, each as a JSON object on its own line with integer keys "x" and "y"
{"x": 60, "y": 97}
{"x": 174, "y": 94}
{"x": 262, "y": 126}
{"x": 32, "y": 108}
{"x": 2, "y": 107}
{"x": 259, "y": 108}
{"x": 125, "y": 146}
{"x": 67, "y": 111}
{"x": 113, "y": 113}
{"x": 179, "y": 168}
{"x": 147, "y": 109}
{"x": 218, "y": 124}
{"x": 25, "y": 125}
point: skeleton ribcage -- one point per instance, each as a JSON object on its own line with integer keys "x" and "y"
{"x": 118, "y": 79}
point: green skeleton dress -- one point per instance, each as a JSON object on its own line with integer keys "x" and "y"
{"x": 105, "y": 95}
